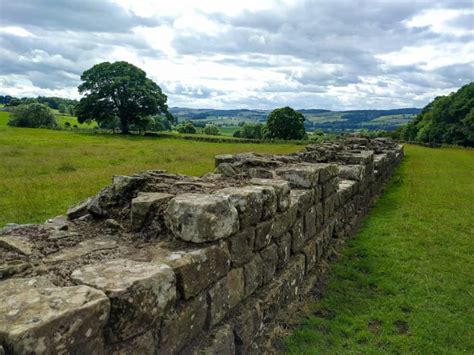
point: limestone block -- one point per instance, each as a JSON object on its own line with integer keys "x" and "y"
{"x": 241, "y": 246}
{"x": 182, "y": 325}
{"x": 328, "y": 207}
{"x": 261, "y": 173}
{"x": 284, "y": 249}
{"x": 309, "y": 250}
{"x": 327, "y": 171}
{"x": 272, "y": 299}
{"x": 282, "y": 190}
{"x": 224, "y": 295}
{"x": 201, "y": 218}
{"x": 297, "y": 236}
{"x": 310, "y": 222}
{"x": 196, "y": 270}
{"x": 352, "y": 172}
{"x": 83, "y": 248}
{"x": 263, "y": 235}
{"x": 142, "y": 204}
{"x": 270, "y": 202}
{"x": 248, "y": 201}
{"x": 301, "y": 200}
{"x": 329, "y": 188}
{"x": 79, "y": 209}
{"x": 57, "y": 223}
{"x": 143, "y": 344}
{"x": 253, "y": 275}
{"x": 140, "y": 293}
{"x": 292, "y": 278}
{"x": 17, "y": 244}
{"x": 269, "y": 257}
{"x": 362, "y": 157}
{"x": 282, "y": 223}
{"x": 220, "y": 341}
{"x": 319, "y": 215}
{"x": 38, "y": 317}
{"x": 12, "y": 267}
{"x": 246, "y": 325}
{"x": 304, "y": 176}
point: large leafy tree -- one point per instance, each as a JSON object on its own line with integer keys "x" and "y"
{"x": 447, "y": 119}
{"x": 286, "y": 123}
{"x": 33, "y": 115}
{"x": 119, "y": 91}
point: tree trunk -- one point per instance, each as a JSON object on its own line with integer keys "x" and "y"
{"x": 124, "y": 125}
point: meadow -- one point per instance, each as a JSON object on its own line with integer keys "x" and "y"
{"x": 42, "y": 171}
{"x": 405, "y": 283}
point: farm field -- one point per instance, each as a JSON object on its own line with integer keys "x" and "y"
{"x": 405, "y": 283}
{"x": 42, "y": 172}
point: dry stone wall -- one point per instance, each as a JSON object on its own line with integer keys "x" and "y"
{"x": 166, "y": 263}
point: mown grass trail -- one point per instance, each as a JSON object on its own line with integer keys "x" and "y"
{"x": 405, "y": 283}
{"x": 42, "y": 172}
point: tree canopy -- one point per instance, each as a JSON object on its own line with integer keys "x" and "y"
{"x": 34, "y": 115}
{"x": 447, "y": 119}
{"x": 119, "y": 91}
{"x": 286, "y": 123}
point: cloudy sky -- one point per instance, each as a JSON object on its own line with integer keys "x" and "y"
{"x": 246, "y": 53}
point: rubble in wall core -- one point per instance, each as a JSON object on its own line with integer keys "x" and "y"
{"x": 167, "y": 263}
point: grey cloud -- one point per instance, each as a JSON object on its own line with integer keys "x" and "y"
{"x": 85, "y": 15}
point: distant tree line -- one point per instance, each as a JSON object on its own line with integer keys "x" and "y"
{"x": 446, "y": 120}
{"x": 56, "y": 103}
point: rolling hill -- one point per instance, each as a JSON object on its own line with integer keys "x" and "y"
{"x": 315, "y": 118}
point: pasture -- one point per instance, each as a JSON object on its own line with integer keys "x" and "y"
{"x": 42, "y": 172}
{"x": 405, "y": 283}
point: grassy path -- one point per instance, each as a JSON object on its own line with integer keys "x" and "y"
{"x": 42, "y": 172}
{"x": 405, "y": 284}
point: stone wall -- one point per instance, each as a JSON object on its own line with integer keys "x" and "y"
{"x": 166, "y": 263}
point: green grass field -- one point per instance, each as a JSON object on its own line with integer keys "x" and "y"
{"x": 42, "y": 172}
{"x": 405, "y": 283}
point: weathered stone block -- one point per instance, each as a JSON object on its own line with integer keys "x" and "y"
{"x": 301, "y": 200}
{"x": 17, "y": 244}
{"x": 319, "y": 215}
{"x": 261, "y": 173}
{"x": 310, "y": 222}
{"x": 292, "y": 277}
{"x": 182, "y": 325}
{"x": 284, "y": 249}
{"x": 248, "y": 201}
{"x": 309, "y": 250}
{"x": 282, "y": 223}
{"x": 352, "y": 172}
{"x": 37, "y": 317}
{"x": 328, "y": 207}
{"x": 253, "y": 275}
{"x": 270, "y": 203}
{"x": 79, "y": 209}
{"x": 304, "y": 176}
{"x": 139, "y": 293}
{"x": 224, "y": 295}
{"x": 329, "y": 188}
{"x": 263, "y": 235}
{"x": 241, "y": 246}
{"x": 83, "y": 248}
{"x": 269, "y": 257}
{"x": 201, "y": 218}
{"x": 246, "y": 325}
{"x": 297, "y": 236}
{"x": 327, "y": 171}
{"x": 282, "y": 190}
{"x": 197, "y": 269}
{"x": 142, "y": 204}
{"x": 219, "y": 342}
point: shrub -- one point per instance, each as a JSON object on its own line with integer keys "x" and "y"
{"x": 186, "y": 128}
{"x": 211, "y": 130}
{"x": 32, "y": 116}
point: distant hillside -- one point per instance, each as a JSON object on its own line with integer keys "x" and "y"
{"x": 315, "y": 118}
